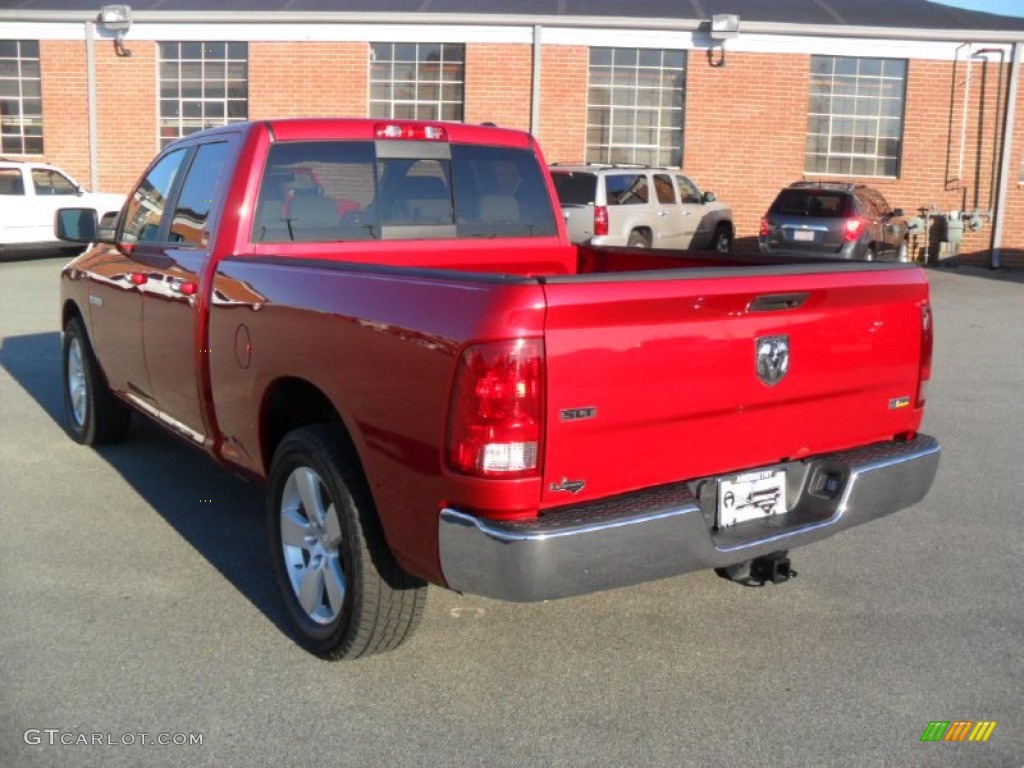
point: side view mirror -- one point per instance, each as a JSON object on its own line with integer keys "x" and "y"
{"x": 709, "y": 197}
{"x": 76, "y": 225}
{"x": 897, "y": 212}
{"x": 81, "y": 225}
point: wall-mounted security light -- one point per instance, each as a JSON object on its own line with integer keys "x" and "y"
{"x": 724, "y": 26}
{"x": 117, "y": 19}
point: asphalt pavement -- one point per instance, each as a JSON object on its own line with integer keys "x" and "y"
{"x": 137, "y": 607}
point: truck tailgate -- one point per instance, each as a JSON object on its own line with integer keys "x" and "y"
{"x": 653, "y": 377}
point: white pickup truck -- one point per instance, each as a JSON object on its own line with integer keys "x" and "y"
{"x": 30, "y": 194}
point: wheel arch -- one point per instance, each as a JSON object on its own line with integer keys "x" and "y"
{"x": 69, "y": 311}
{"x": 643, "y": 229}
{"x": 291, "y": 402}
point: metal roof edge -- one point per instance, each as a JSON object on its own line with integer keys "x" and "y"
{"x": 525, "y": 20}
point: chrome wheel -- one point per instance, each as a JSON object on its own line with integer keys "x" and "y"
{"x": 723, "y": 244}
{"x": 310, "y": 542}
{"x": 78, "y": 387}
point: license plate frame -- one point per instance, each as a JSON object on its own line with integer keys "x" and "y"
{"x": 750, "y": 496}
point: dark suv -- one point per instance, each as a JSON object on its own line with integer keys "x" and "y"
{"x": 847, "y": 221}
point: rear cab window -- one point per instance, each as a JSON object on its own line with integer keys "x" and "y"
{"x": 338, "y": 191}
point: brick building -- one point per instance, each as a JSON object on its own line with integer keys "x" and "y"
{"x": 921, "y": 100}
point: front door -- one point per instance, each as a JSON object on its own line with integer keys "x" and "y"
{"x": 118, "y": 277}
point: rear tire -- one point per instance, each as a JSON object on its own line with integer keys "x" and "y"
{"x": 344, "y": 594}
{"x": 903, "y": 252}
{"x": 869, "y": 254}
{"x": 638, "y": 239}
{"x": 92, "y": 414}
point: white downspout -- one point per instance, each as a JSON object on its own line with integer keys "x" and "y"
{"x": 90, "y": 68}
{"x": 1004, "y": 167}
{"x": 535, "y": 92}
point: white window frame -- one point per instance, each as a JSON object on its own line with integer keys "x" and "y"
{"x": 636, "y": 106}
{"x": 417, "y": 81}
{"x": 855, "y": 116}
{"x": 200, "y": 85}
{"x": 21, "y": 91}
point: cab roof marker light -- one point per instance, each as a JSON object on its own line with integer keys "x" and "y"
{"x": 410, "y": 131}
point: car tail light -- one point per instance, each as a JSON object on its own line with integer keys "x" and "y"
{"x": 410, "y": 131}
{"x": 497, "y": 413}
{"x": 927, "y": 342}
{"x": 600, "y": 220}
{"x": 766, "y": 227}
{"x": 853, "y": 229}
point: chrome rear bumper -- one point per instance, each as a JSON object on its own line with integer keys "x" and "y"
{"x": 666, "y": 531}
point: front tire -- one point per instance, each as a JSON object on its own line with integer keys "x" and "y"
{"x": 722, "y": 241}
{"x": 344, "y": 593}
{"x": 92, "y": 414}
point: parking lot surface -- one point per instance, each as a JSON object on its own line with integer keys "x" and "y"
{"x": 136, "y": 607}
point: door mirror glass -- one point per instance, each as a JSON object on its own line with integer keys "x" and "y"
{"x": 76, "y": 225}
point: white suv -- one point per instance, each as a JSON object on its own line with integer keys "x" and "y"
{"x": 30, "y": 194}
{"x": 643, "y": 207}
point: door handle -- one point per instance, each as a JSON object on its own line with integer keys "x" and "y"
{"x": 662, "y": 214}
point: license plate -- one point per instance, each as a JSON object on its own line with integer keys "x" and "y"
{"x": 751, "y": 496}
{"x": 804, "y": 235}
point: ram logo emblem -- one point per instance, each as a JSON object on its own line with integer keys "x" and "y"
{"x": 772, "y": 359}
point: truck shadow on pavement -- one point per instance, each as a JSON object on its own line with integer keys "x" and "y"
{"x": 219, "y": 514}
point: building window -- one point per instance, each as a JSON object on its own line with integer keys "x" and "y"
{"x": 21, "y": 102}
{"x": 855, "y": 116}
{"x": 202, "y": 85}
{"x": 417, "y": 81}
{"x": 635, "y": 106}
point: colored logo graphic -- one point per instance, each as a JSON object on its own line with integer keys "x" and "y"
{"x": 958, "y": 730}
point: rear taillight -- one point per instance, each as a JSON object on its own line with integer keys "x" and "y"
{"x": 766, "y": 227}
{"x": 927, "y": 342}
{"x": 600, "y": 220}
{"x": 497, "y": 414}
{"x": 853, "y": 229}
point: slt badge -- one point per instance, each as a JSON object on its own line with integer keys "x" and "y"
{"x": 772, "y": 359}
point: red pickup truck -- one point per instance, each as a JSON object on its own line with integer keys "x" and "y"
{"x": 437, "y": 386}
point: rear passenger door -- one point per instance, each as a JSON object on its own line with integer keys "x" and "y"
{"x": 628, "y": 197}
